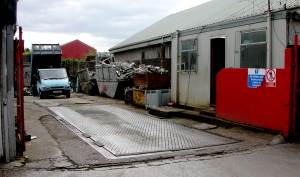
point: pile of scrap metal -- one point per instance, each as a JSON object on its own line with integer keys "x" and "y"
{"x": 114, "y": 77}
{"x": 143, "y": 69}
{"x": 86, "y": 82}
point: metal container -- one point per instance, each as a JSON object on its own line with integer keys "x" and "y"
{"x": 109, "y": 84}
{"x": 139, "y": 97}
{"x": 151, "y": 81}
{"x": 86, "y": 82}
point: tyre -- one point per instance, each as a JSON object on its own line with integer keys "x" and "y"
{"x": 42, "y": 95}
{"x": 34, "y": 91}
{"x": 68, "y": 95}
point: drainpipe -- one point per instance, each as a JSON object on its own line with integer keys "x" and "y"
{"x": 162, "y": 54}
{"x": 177, "y": 69}
{"x": 269, "y": 36}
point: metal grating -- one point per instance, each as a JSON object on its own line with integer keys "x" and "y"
{"x": 124, "y": 132}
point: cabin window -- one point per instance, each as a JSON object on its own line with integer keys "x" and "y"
{"x": 189, "y": 55}
{"x": 253, "y": 49}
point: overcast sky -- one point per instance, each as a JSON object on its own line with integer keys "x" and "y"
{"x": 99, "y": 23}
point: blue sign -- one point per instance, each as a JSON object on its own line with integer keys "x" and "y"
{"x": 255, "y": 77}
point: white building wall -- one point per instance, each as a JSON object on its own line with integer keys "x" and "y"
{"x": 294, "y": 28}
{"x": 193, "y": 89}
{"x": 280, "y": 42}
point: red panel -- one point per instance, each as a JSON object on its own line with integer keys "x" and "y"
{"x": 263, "y": 107}
{"x": 76, "y": 50}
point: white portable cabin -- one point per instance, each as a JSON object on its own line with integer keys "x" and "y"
{"x": 215, "y": 35}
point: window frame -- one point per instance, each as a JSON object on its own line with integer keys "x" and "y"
{"x": 192, "y": 51}
{"x": 252, "y": 44}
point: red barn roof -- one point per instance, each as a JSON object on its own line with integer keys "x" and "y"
{"x": 77, "y": 50}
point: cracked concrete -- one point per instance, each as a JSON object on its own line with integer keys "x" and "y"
{"x": 42, "y": 150}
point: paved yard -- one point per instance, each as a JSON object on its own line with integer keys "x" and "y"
{"x": 124, "y": 132}
{"x": 95, "y": 136}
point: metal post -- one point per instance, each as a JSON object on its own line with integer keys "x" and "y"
{"x": 20, "y": 91}
{"x": 21, "y": 51}
{"x": 295, "y": 84}
{"x": 269, "y": 36}
{"x": 3, "y": 145}
{"x": 162, "y": 56}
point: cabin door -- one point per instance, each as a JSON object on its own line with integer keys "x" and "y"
{"x": 217, "y": 64}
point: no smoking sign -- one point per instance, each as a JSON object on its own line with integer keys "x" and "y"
{"x": 271, "y": 77}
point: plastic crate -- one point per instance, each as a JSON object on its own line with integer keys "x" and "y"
{"x": 157, "y": 98}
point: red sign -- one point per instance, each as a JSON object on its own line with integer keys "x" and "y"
{"x": 271, "y": 77}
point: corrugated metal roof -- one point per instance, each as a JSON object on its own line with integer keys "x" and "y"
{"x": 205, "y": 14}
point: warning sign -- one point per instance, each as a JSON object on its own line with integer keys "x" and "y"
{"x": 271, "y": 77}
{"x": 255, "y": 77}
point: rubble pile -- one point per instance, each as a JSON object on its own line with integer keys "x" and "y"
{"x": 143, "y": 69}
{"x": 126, "y": 71}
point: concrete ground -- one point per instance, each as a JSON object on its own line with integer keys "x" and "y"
{"x": 59, "y": 151}
{"x": 276, "y": 161}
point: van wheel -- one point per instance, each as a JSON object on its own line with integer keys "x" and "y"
{"x": 42, "y": 95}
{"x": 68, "y": 95}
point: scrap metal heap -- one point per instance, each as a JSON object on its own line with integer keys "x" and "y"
{"x": 126, "y": 71}
{"x": 114, "y": 77}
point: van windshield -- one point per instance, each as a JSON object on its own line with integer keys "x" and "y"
{"x": 53, "y": 74}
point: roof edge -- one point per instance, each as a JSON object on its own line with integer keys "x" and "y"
{"x": 152, "y": 41}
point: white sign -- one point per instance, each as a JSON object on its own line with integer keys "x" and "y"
{"x": 255, "y": 77}
{"x": 271, "y": 77}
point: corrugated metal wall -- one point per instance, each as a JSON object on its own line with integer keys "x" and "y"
{"x": 147, "y": 53}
